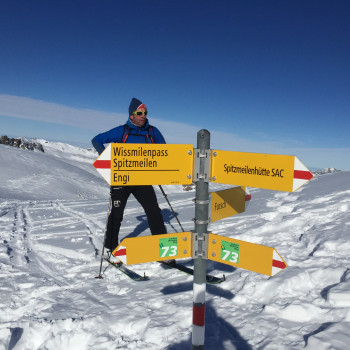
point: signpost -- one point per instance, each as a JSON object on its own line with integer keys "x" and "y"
{"x": 269, "y": 171}
{"x": 227, "y": 203}
{"x": 156, "y": 164}
{"x": 145, "y": 249}
{"x": 127, "y": 164}
{"x": 245, "y": 255}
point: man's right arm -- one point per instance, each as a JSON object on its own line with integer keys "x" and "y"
{"x": 98, "y": 146}
{"x": 114, "y": 135}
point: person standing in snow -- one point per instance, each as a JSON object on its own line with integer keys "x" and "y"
{"x": 136, "y": 130}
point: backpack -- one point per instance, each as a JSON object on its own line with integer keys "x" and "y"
{"x": 149, "y": 136}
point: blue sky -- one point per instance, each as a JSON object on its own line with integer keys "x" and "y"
{"x": 261, "y": 76}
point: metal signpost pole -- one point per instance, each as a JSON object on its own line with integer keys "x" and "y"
{"x": 200, "y": 237}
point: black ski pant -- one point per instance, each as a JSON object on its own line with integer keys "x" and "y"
{"x": 146, "y": 196}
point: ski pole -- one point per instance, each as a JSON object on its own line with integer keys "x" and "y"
{"x": 104, "y": 239}
{"x": 166, "y": 197}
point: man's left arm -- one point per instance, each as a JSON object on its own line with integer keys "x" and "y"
{"x": 158, "y": 137}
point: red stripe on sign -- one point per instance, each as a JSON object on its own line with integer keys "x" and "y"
{"x": 120, "y": 252}
{"x": 199, "y": 315}
{"x": 248, "y": 197}
{"x": 102, "y": 164}
{"x": 279, "y": 264}
{"x": 302, "y": 175}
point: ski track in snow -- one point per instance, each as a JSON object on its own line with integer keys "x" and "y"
{"x": 50, "y": 298}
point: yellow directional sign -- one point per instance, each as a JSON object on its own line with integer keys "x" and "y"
{"x": 127, "y": 164}
{"x": 226, "y": 203}
{"x": 140, "y": 250}
{"x": 269, "y": 171}
{"x": 245, "y": 255}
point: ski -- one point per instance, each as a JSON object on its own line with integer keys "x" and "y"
{"x": 210, "y": 279}
{"x": 130, "y": 273}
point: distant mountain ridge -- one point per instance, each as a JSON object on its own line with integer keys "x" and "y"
{"x": 326, "y": 171}
{"x": 21, "y": 142}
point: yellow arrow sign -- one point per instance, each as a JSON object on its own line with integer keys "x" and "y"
{"x": 226, "y": 203}
{"x": 127, "y": 164}
{"x": 140, "y": 250}
{"x": 245, "y": 255}
{"x": 269, "y": 171}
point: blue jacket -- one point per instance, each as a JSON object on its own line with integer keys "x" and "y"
{"x": 136, "y": 135}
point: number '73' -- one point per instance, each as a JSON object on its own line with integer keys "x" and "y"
{"x": 230, "y": 256}
{"x": 173, "y": 251}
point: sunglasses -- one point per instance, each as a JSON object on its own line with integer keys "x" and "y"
{"x": 140, "y": 113}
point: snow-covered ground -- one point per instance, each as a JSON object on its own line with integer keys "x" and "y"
{"x": 52, "y": 216}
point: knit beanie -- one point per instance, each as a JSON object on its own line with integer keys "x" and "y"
{"x": 134, "y": 105}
